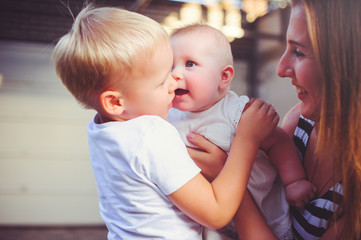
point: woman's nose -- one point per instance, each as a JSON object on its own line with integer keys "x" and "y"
{"x": 284, "y": 68}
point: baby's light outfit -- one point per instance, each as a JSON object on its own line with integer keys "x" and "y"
{"x": 219, "y": 124}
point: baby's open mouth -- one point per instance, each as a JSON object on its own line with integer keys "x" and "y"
{"x": 181, "y": 91}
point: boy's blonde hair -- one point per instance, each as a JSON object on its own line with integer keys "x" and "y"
{"x": 103, "y": 49}
{"x": 216, "y": 35}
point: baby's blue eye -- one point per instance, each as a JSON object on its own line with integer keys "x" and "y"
{"x": 190, "y": 64}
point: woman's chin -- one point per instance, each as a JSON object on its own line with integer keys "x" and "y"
{"x": 311, "y": 112}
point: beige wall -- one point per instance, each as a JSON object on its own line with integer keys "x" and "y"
{"x": 45, "y": 177}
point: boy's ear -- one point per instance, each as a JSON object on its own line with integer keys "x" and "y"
{"x": 112, "y": 102}
{"x": 226, "y": 76}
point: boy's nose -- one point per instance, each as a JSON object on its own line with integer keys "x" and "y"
{"x": 173, "y": 85}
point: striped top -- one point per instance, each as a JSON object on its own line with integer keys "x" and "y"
{"x": 310, "y": 223}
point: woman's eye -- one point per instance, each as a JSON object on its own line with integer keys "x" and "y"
{"x": 190, "y": 64}
{"x": 299, "y": 53}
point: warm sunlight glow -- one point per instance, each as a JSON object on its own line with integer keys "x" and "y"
{"x": 254, "y": 9}
{"x": 225, "y": 17}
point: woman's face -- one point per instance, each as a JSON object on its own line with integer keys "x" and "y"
{"x": 298, "y": 63}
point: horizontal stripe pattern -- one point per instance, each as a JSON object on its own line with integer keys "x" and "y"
{"x": 302, "y": 134}
{"x": 310, "y": 223}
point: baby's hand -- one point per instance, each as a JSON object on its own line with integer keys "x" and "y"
{"x": 258, "y": 120}
{"x": 300, "y": 193}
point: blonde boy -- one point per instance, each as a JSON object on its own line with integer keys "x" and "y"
{"x": 119, "y": 63}
{"x": 203, "y": 68}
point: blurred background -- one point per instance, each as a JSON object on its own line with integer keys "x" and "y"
{"x": 46, "y": 181}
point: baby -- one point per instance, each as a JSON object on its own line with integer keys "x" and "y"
{"x": 203, "y": 68}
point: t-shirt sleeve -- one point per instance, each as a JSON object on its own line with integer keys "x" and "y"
{"x": 240, "y": 104}
{"x": 170, "y": 166}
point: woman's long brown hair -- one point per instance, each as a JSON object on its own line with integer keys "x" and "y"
{"x": 335, "y": 32}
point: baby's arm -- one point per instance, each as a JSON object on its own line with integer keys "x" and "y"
{"x": 284, "y": 156}
{"x": 214, "y": 204}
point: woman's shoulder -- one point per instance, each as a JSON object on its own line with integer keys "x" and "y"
{"x": 291, "y": 119}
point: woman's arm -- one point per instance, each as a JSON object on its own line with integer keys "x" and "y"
{"x": 250, "y": 223}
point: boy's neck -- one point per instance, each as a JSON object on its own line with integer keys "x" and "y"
{"x": 99, "y": 119}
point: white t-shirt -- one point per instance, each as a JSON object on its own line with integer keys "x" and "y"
{"x": 219, "y": 125}
{"x": 137, "y": 163}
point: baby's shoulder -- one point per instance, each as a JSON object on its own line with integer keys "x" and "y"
{"x": 235, "y": 105}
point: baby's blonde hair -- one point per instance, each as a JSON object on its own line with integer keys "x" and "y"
{"x": 216, "y": 35}
{"x": 103, "y": 49}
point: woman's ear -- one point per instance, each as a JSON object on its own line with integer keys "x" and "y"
{"x": 226, "y": 77}
{"x": 112, "y": 102}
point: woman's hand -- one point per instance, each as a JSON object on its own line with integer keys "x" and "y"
{"x": 209, "y": 157}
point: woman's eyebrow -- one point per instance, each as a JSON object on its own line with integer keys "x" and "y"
{"x": 296, "y": 43}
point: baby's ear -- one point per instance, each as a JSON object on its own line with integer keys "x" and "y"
{"x": 112, "y": 102}
{"x": 226, "y": 77}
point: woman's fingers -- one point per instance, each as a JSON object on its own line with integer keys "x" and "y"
{"x": 201, "y": 142}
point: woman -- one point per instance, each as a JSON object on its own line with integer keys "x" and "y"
{"x": 323, "y": 61}
{"x": 323, "y": 58}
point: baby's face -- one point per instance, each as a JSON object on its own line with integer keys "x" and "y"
{"x": 197, "y": 70}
